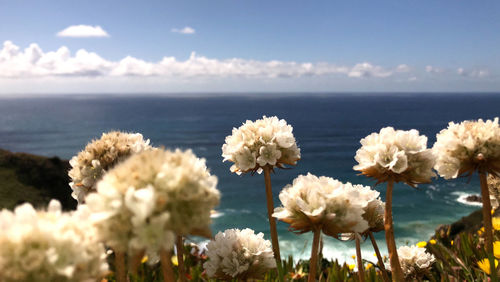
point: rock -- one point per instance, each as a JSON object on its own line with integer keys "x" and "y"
{"x": 474, "y": 199}
{"x": 470, "y": 224}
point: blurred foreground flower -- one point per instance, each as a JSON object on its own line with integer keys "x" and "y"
{"x": 258, "y": 146}
{"x": 99, "y": 156}
{"x": 468, "y": 147}
{"x": 152, "y": 196}
{"x": 415, "y": 261}
{"x": 49, "y": 245}
{"x": 395, "y": 156}
{"x": 239, "y": 254}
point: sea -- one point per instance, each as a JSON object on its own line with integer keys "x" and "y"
{"x": 327, "y": 127}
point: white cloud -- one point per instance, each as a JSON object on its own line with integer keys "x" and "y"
{"x": 368, "y": 70}
{"x": 473, "y": 73}
{"x": 185, "y": 30}
{"x": 403, "y": 68}
{"x": 33, "y": 62}
{"x": 83, "y": 31}
{"x": 432, "y": 69}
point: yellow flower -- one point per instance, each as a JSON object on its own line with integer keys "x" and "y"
{"x": 353, "y": 257}
{"x": 496, "y": 223}
{"x": 432, "y": 241}
{"x": 144, "y": 259}
{"x": 374, "y": 254}
{"x": 480, "y": 231}
{"x": 351, "y": 267}
{"x": 451, "y": 242}
{"x": 368, "y": 266}
{"x": 175, "y": 261}
{"x": 492, "y": 212}
{"x": 421, "y": 244}
{"x": 485, "y": 265}
{"x": 299, "y": 274}
{"x": 496, "y": 249}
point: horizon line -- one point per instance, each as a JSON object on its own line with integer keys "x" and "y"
{"x": 215, "y": 94}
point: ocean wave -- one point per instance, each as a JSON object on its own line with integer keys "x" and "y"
{"x": 333, "y": 249}
{"x": 216, "y": 214}
{"x": 462, "y": 198}
{"x": 224, "y": 212}
{"x": 300, "y": 249}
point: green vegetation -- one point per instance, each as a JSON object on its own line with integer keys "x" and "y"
{"x": 458, "y": 248}
{"x": 458, "y": 258}
{"x": 33, "y": 179}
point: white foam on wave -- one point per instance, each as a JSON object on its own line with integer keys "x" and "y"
{"x": 224, "y": 212}
{"x": 343, "y": 252}
{"x": 216, "y": 214}
{"x": 462, "y": 198}
{"x": 332, "y": 250}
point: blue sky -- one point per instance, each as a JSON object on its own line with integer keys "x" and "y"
{"x": 327, "y": 46}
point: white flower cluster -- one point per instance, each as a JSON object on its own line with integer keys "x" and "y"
{"x": 336, "y": 207}
{"x": 49, "y": 245}
{"x": 462, "y": 147}
{"x": 401, "y": 155}
{"x": 414, "y": 260}
{"x": 142, "y": 202}
{"x": 239, "y": 254}
{"x": 99, "y": 156}
{"x": 374, "y": 215}
{"x": 255, "y": 144}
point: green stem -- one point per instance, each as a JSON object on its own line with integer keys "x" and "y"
{"x": 179, "y": 244}
{"x": 166, "y": 266}
{"x": 361, "y": 268}
{"x": 397, "y": 272}
{"x": 379, "y": 257}
{"x": 270, "y": 210}
{"x": 488, "y": 228}
{"x": 313, "y": 262}
{"x": 121, "y": 271}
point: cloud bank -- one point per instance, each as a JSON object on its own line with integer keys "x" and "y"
{"x": 473, "y": 73}
{"x": 32, "y": 70}
{"x": 83, "y": 31}
{"x": 34, "y": 62}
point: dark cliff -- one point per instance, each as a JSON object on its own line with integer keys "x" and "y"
{"x": 34, "y": 179}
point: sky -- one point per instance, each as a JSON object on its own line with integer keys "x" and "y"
{"x": 121, "y": 46}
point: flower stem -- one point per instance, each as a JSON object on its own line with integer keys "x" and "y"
{"x": 361, "y": 268}
{"x": 270, "y": 210}
{"x": 121, "y": 271}
{"x": 379, "y": 257}
{"x": 313, "y": 262}
{"x": 166, "y": 266}
{"x": 135, "y": 262}
{"x": 179, "y": 244}
{"x": 397, "y": 273}
{"x": 488, "y": 228}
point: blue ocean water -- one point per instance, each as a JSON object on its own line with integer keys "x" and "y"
{"x": 327, "y": 127}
